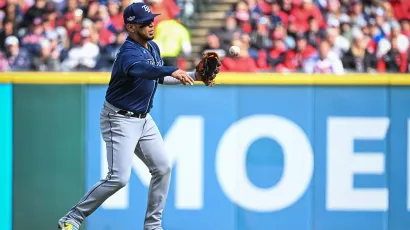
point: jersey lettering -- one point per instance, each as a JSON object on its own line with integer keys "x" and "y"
{"x": 151, "y": 62}
{"x": 157, "y": 63}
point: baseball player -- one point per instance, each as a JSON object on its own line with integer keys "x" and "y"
{"x": 126, "y": 124}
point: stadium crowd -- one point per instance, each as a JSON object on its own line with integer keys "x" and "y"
{"x": 66, "y": 35}
{"x": 322, "y": 36}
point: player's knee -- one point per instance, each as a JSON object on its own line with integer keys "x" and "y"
{"x": 164, "y": 169}
{"x": 122, "y": 181}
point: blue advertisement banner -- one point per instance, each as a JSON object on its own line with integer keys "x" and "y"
{"x": 6, "y": 125}
{"x": 269, "y": 157}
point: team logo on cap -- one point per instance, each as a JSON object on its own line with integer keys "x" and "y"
{"x": 130, "y": 18}
{"x": 146, "y": 8}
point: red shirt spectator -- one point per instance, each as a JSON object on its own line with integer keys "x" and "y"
{"x": 405, "y": 26}
{"x": 265, "y": 7}
{"x": 262, "y": 62}
{"x": 401, "y": 8}
{"x": 105, "y": 35}
{"x": 240, "y": 64}
{"x": 303, "y": 12}
{"x": 243, "y": 17}
{"x": 73, "y": 28}
{"x": 295, "y": 58}
{"x": 116, "y": 18}
{"x": 167, "y": 8}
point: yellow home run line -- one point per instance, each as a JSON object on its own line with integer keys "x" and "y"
{"x": 222, "y": 79}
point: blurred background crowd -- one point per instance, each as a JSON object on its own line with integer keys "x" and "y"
{"x": 319, "y": 36}
{"x": 66, "y": 35}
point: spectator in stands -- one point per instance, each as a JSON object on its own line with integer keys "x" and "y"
{"x": 46, "y": 60}
{"x": 72, "y": 28}
{"x": 304, "y": 9}
{"x": 334, "y": 11}
{"x": 104, "y": 15}
{"x": 173, "y": 39}
{"x": 277, "y": 52}
{"x": 92, "y": 12}
{"x": 325, "y": 62}
{"x": 405, "y": 25}
{"x": 62, "y": 42}
{"x": 71, "y": 6}
{"x": 315, "y": 34}
{"x": 125, "y": 3}
{"x": 340, "y": 45}
{"x": 50, "y": 17}
{"x": 242, "y": 15}
{"x": 34, "y": 35}
{"x": 166, "y": 8}
{"x": 82, "y": 57}
{"x": 18, "y": 58}
{"x": 242, "y": 63}
{"x": 345, "y": 27}
{"x": 34, "y": 12}
{"x": 260, "y": 37}
{"x": 109, "y": 52}
{"x": 294, "y": 58}
{"x": 358, "y": 58}
{"x": 402, "y": 40}
{"x": 394, "y": 60}
{"x": 56, "y": 46}
{"x": 401, "y": 9}
{"x": 213, "y": 45}
{"x": 254, "y": 9}
{"x": 115, "y": 15}
{"x": 228, "y": 32}
{"x": 2, "y": 18}
{"x": 375, "y": 32}
{"x": 388, "y": 11}
{"x": 13, "y": 12}
{"x": 286, "y": 6}
{"x": 357, "y": 15}
{"x": 379, "y": 17}
{"x": 8, "y": 30}
{"x": 4, "y": 65}
{"x": 277, "y": 15}
{"x": 83, "y": 5}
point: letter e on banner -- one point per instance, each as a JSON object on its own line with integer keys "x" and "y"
{"x": 343, "y": 163}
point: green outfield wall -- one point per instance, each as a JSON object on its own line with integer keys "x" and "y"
{"x": 48, "y": 133}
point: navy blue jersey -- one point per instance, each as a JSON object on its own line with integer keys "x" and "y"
{"x": 135, "y": 76}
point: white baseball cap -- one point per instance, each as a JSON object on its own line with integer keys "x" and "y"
{"x": 11, "y": 40}
{"x": 45, "y": 43}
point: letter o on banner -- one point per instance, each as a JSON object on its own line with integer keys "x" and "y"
{"x": 231, "y": 163}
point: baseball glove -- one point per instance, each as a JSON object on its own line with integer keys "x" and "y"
{"x": 208, "y": 67}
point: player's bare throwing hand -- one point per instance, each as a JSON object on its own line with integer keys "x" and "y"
{"x": 126, "y": 124}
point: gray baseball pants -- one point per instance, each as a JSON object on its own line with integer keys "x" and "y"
{"x": 125, "y": 136}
